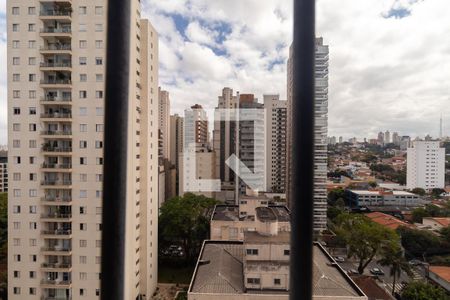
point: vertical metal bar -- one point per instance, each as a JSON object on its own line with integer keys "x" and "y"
{"x": 115, "y": 150}
{"x": 302, "y": 185}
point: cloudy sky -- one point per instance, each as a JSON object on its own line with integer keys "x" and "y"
{"x": 389, "y": 59}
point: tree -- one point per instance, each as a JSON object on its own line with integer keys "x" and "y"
{"x": 373, "y": 184}
{"x": 393, "y": 257}
{"x": 335, "y": 194}
{"x": 364, "y": 238}
{"x": 418, "y": 290}
{"x": 437, "y": 192}
{"x": 445, "y": 234}
{"x": 418, "y": 214}
{"x": 186, "y": 219}
{"x": 419, "y": 191}
{"x": 419, "y": 243}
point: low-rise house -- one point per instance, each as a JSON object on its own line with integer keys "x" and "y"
{"x": 435, "y": 223}
{"x": 382, "y": 198}
{"x": 387, "y": 220}
{"x": 441, "y": 276}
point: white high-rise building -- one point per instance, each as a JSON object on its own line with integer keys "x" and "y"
{"x": 56, "y": 74}
{"x": 425, "y": 165}
{"x": 320, "y": 131}
{"x": 387, "y": 137}
{"x": 176, "y": 146}
{"x": 276, "y": 118}
{"x": 164, "y": 122}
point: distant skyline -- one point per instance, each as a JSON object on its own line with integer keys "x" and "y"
{"x": 389, "y": 59}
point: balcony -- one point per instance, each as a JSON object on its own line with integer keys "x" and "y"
{"x": 55, "y": 267}
{"x": 56, "y": 182}
{"x": 60, "y": 31}
{"x": 55, "y": 284}
{"x": 57, "y": 115}
{"x": 55, "y": 83}
{"x": 61, "y": 149}
{"x": 49, "y": 200}
{"x": 56, "y": 133}
{"x": 59, "y": 167}
{"x": 52, "y": 66}
{"x": 56, "y": 14}
{"x": 55, "y": 298}
{"x": 56, "y": 249}
{"x": 56, "y": 100}
{"x": 59, "y": 217}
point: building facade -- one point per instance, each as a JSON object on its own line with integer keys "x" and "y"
{"x": 275, "y": 144}
{"x": 176, "y": 146}
{"x": 425, "y": 165}
{"x": 3, "y": 171}
{"x": 164, "y": 122}
{"x": 320, "y": 132}
{"x": 56, "y": 74}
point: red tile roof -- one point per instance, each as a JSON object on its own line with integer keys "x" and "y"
{"x": 441, "y": 271}
{"x": 387, "y": 220}
{"x": 372, "y": 290}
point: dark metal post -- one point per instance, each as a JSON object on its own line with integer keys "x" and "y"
{"x": 115, "y": 150}
{"x": 302, "y": 185}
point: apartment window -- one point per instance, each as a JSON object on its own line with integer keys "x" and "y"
{"x": 98, "y": 194}
{"x": 99, "y": 61}
{"x": 16, "y": 44}
{"x": 99, "y": 10}
{"x": 32, "y": 61}
{"x": 253, "y": 280}
{"x": 15, "y": 27}
{"x": 16, "y": 127}
{"x": 83, "y": 27}
{"x": 83, "y": 259}
{"x": 16, "y": 176}
{"x": 32, "y": 10}
{"x": 16, "y": 225}
{"x": 83, "y": 44}
{"x": 99, "y": 111}
{"x": 16, "y": 94}
{"x": 15, "y": 11}
{"x": 16, "y": 61}
{"x": 32, "y": 291}
{"x": 16, "y": 242}
{"x": 99, "y": 94}
{"x": 99, "y": 160}
{"x": 83, "y": 194}
{"x": 82, "y": 292}
{"x": 32, "y": 274}
{"x": 83, "y": 244}
{"x": 16, "y": 143}
{"x": 16, "y": 77}
{"x": 83, "y": 94}
{"x": 31, "y": 77}
{"x": 17, "y": 160}
{"x": 17, "y": 257}
{"x": 83, "y": 177}
{"x": 83, "y": 160}
{"x": 83, "y": 144}
{"x": 98, "y": 243}
{"x": 82, "y": 10}
{"x": 99, "y": 77}
{"x": 32, "y": 144}
{"x": 99, "y": 177}
{"x": 32, "y": 159}
{"x": 98, "y": 27}
{"x": 277, "y": 281}
{"x": 31, "y": 44}
{"x": 32, "y": 110}
{"x": 32, "y": 193}
{"x": 98, "y": 144}
{"x": 99, "y": 127}
{"x": 99, "y": 44}
{"x": 83, "y": 77}
{"x": 31, "y": 27}
{"x": 83, "y": 61}
{"x": 83, "y": 111}
{"x": 83, "y": 127}
{"x": 33, "y": 225}
{"x": 33, "y": 258}
{"x": 33, "y": 242}
{"x": 99, "y": 227}
{"x": 32, "y": 94}
{"x": 16, "y": 274}
{"x": 16, "y": 290}
{"x": 287, "y": 252}
{"x": 32, "y": 127}
{"x": 252, "y": 251}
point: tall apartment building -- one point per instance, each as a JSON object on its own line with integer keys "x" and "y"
{"x": 3, "y": 171}
{"x": 224, "y": 134}
{"x": 56, "y": 73}
{"x": 176, "y": 146}
{"x": 320, "y": 131}
{"x": 164, "y": 122}
{"x": 387, "y": 137}
{"x": 425, "y": 165}
{"x": 196, "y": 127}
{"x": 276, "y": 126}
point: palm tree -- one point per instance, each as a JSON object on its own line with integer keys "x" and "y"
{"x": 397, "y": 263}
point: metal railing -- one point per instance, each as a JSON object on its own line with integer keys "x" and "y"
{"x": 56, "y": 132}
{"x": 56, "y": 216}
{"x": 56, "y": 166}
{"x": 56, "y": 13}
{"x": 56, "y": 65}
{"x": 57, "y": 232}
{"x": 56, "y": 182}
{"x": 56, "y": 149}
{"x": 56, "y": 81}
{"x": 56, "y": 115}
{"x": 55, "y": 47}
{"x": 56, "y": 30}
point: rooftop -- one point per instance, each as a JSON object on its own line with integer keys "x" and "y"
{"x": 445, "y": 222}
{"x": 231, "y": 213}
{"x": 254, "y": 237}
{"x": 387, "y": 220}
{"x": 370, "y": 287}
{"x": 441, "y": 271}
{"x": 220, "y": 270}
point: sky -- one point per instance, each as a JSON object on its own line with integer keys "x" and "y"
{"x": 389, "y": 59}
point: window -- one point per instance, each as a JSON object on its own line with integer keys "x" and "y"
{"x": 83, "y": 94}
{"x": 32, "y": 110}
{"x": 31, "y": 27}
{"x": 83, "y": 44}
{"x": 31, "y": 44}
{"x": 99, "y": 177}
{"x": 83, "y": 144}
{"x": 15, "y": 27}
{"x": 31, "y": 77}
{"x": 17, "y": 257}
{"x": 16, "y": 225}
{"x": 99, "y": 160}
{"x": 16, "y": 290}
{"x": 252, "y": 251}
{"x": 16, "y": 61}
{"x": 99, "y": 77}
{"x": 32, "y": 291}
{"x": 15, "y": 11}
{"x": 83, "y": 259}
{"x": 32, "y": 274}
{"x": 83, "y": 127}
{"x": 16, "y": 94}
{"x": 83, "y": 61}
{"x": 83, "y": 27}
{"x": 83, "y": 111}
{"x": 16, "y": 127}
{"x": 83, "y": 177}
{"x": 32, "y": 94}
{"x": 277, "y": 281}
{"x": 33, "y": 193}
{"x": 99, "y": 94}
{"x": 16, "y": 274}
{"x": 16, "y": 77}
{"x": 16, "y": 176}
{"x": 16, "y": 242}
{"x": 99, "y": 61}
{"x": 83, "y": 194}
{"x": 16, "y": 143}
{"x": 17, "y": 160}
{"x": 81, "y": 290}
{"x": 98, "y": 27}
{"x": 32, "y": 10}
{"x": 99, "y": 127}
{"x": 82, "y": 10}
{"x": 253, "y": 280}
{"x": 83, "y": 77}
{"x": 32, "y": 144}
{"x": 98, "y": 144}
{"x": 287, "y": 252}
{"x": 32, "y": 127}
{"x": 83, "y": 244}
{"x": 33, "y": 242}
{"x": 99, "y": 10}
{"x": 16, "y": 44}
{"x": 32, "y": 61}
{"x": 99, "y": 111}
{"x": 83, "y": 160}
{"x": 99, "y": 44}
{"x": 33, "y": 225}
